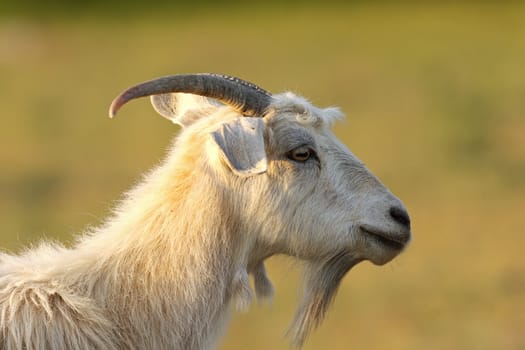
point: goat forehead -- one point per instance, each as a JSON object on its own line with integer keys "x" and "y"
{"x": 297, "y": 109}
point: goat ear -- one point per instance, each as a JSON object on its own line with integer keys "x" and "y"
{"x": 183, "y": 109}
{"x": 241, "y": 143}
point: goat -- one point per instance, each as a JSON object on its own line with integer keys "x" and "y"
{"x": 251, "y": 175}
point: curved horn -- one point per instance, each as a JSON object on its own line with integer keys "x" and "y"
{"x": 244, "y": 97}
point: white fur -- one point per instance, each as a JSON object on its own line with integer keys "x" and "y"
{"x": 163, "y": 270}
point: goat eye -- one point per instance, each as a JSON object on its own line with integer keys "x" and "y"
{"x": 300, "y": 154}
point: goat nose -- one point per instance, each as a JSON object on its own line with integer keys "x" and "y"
{"x": 400, "y": 216}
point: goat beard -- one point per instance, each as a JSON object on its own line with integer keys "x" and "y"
{"x": 321, "y": 282}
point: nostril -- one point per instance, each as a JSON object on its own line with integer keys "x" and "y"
{"x": 400, "y": 216}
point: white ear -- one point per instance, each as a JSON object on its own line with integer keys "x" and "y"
{"x": 242, "y": 145}
{"x": 183, "y": 109}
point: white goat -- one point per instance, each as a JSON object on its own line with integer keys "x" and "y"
{"x": 251, "y": 175}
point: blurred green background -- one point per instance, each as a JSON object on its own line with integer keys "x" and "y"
{"x": 435, "y": 99}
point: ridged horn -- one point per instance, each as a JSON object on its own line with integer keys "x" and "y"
{"x": 245, "y": 97}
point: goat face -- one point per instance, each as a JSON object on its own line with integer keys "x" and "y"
{"x": 318, "y": 199}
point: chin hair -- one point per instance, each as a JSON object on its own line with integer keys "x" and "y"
{"x": 321, "y": 282}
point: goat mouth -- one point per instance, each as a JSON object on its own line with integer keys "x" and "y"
{"x": 386, "y": 239}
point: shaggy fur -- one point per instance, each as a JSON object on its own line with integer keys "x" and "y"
{"x": 163, "y": 270}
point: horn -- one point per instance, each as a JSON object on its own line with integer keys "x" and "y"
{"x": 245, "y": 97}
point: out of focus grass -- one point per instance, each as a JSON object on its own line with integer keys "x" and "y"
{"x": 436, "y": 108}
